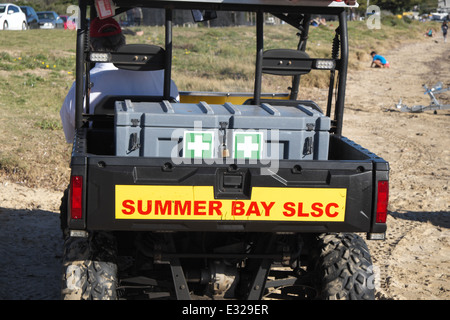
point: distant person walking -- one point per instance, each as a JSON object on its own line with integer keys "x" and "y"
{"x": 378, "y": 61}
{"x": 137, "y": 16}
{"x": 444, "y": 28}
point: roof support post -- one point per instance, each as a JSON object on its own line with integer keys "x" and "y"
{"x": 80, "y": 66}
{"x": 302, "y": 47}
{"x": 168, "y": 56}
{"x": 259, "y": 55}
{"x": 340, "y": 101}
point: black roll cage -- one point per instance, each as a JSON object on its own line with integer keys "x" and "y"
{"x": 296, "y": 16}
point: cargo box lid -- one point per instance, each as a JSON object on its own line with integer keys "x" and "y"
{"x": 188, "y": 115}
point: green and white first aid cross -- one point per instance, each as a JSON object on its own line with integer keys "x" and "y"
{"x": 247, "y": 145}
{"x": 201, "y": 144}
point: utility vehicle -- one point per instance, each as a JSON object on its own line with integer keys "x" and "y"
{"x": 221, "y": 195}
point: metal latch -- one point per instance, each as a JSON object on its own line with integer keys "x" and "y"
{"x": 133, "y": 143}
{"x": 223, "y": 148}
{"x": 135, "y": 122}
{"x": 308, "y": 146}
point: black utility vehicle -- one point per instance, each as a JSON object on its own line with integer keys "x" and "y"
{"x": 221, "y": 195}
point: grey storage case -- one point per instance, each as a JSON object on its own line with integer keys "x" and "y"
{"x": 164, "y": 129}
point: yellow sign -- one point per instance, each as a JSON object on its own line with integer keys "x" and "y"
{"x": 198, "y": 203}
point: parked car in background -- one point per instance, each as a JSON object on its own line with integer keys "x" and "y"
{"x": 12, "y": 17}
{"x": 32, "y": 18}
{"x": 50, "y": 20}
{"x": 69, "y": 23}
{"x": 439, "y": 16}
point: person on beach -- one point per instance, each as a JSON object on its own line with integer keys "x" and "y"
{"x": 444, "y": 28}
{"x": 378, "y": 61}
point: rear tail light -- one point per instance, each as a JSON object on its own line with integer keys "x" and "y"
{"x": 382, "y": 201}
{"x": 76, "y": 197}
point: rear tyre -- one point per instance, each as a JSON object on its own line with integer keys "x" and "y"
{"x": 90, "y": 268}
{"x": 343, "y": 268}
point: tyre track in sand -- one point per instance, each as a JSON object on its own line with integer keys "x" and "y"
{"x": 30, "y": 243}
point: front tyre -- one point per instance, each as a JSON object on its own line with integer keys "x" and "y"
{"x": 343, "y": 268}
{"x": 90, "y": 268}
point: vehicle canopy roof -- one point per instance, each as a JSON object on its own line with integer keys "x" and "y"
{"x": 249, "y": 4}
{"x": 312, "y": 3}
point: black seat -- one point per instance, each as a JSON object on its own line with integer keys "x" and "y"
{"x": 133, "y": 57}
{"x": 139, "y": 57}
{"x": 286, "y": 62}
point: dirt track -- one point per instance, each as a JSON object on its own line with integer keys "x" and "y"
{"x": 412, "y": 263}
